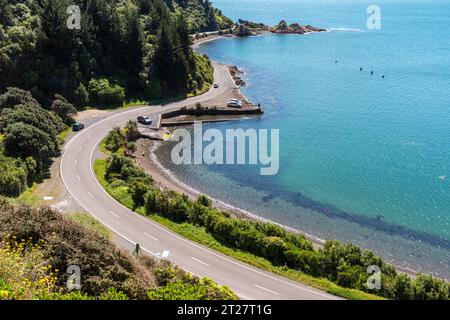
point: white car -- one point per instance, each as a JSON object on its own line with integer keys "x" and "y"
{"x": 234, "y": 103}
{"x": 145, "y": 120}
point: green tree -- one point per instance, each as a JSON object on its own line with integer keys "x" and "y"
{"x": 103, "y": 93}
{"x": 23, "y": 140}
{"x": 138, "y": 188}
{"x": 204, "y": 201}
{"x": 65, "y": 110}
{"x": 131, "y": 130}
{"x": 428, "y": 288}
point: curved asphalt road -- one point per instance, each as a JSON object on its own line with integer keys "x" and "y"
{"x": 78, "y": 176}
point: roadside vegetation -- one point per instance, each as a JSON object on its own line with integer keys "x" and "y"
{"x": 31, "y": 137}
{"x": 90, "y": 223}
{"x": 338, "y": 268}
{"x": 126, "y": 53}
{"x": 201, "y": 16}
{"x": 37, "y": 245}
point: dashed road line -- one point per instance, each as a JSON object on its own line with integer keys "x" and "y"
{"x": 115, "y": 215}
{"x": 200, "y": 261}
{"x": 268, "y": 290}
{"x": 150, "y": 236}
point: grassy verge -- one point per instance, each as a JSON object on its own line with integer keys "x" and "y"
{"x": 201, "y": 236}
{"x": 62, "y": 136}
{"x": 29, "y": 197}
{"x": 87, "y": 221}
{"x": 203, "y": 90}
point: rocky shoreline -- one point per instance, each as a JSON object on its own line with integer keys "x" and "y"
{"x": 236, "y": 75}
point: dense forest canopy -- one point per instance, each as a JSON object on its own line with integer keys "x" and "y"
{"x": 131, "y": 48}
{"x": 55, "y": 59}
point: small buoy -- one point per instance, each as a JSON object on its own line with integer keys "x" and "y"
{"x": 442, "y": 178}
{"x": 371, "y": 72}
{"x": 360, "y": 69}
{"x": 383, "y": 76}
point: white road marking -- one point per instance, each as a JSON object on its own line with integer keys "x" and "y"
{"x": 76, "y": 162}
{"x": 200, "y": 261}
{"x": 78, "y": 177}
{"x": 90, "y": 194}
{"x": 115, "y": 215}
{"x": 268, "y": 290}
{"x": 165, "y": 253}
{"x": 79, "y": 149}
{"x": 242, "y": 296}
{"x": 150, "y": 236}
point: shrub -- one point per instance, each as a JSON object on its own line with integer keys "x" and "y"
{"x": 23, "y": 140}
{"x": 66, "y": 243}
{"x": 103, "y": 93}
{"x": 178, "y": 209}
{"x": 34, "y": 116}
{"x": 15, "y": 96}
{"x": 351, "y": 276}
{"x": 428, "y": 288}
{"x": 204, "y": 201}
{"x": 24, "y": 271}
{"x": 131, "y": 130}
{"x": 198, "y": 214}
{"x": 14, "y": 176}
{"x": 81, "y": 96}
{"x": 192, "y": 289}
{"x": 114, "y": 140}
{"x": 138, "y": 188}
{"x": 305, "y": 261}
{"x": 274, "y": 249}
{"x": 63, "y": 109}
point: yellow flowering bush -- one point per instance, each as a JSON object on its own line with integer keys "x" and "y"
{"x": 24, "y": 272}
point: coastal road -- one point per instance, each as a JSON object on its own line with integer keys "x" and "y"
{"x": 76, "y": 170}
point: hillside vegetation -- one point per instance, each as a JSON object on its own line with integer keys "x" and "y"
{"x": 337, "y": 263}
{"x": 37, "y": 245}
{"x": 30, "y": 138}
{"x": 122, "y": 50}
{"x": 200, "y": 15}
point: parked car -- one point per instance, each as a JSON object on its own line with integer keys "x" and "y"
{"x": 234, "y": 103}
{"x": 77, "y": 126}
{"x": 216, "y": 85}
{"x": 145, "y": 120}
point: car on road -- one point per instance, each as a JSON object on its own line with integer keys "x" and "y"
{"x": 234, "y": 103}
{"x": 77, "y": 126}
{"x": 145, "y": 120}
{"x": 216, "y": 85}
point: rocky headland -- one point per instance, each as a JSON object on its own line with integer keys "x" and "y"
{"x": 295, "y": 28}
{"x": 247, "y": 28}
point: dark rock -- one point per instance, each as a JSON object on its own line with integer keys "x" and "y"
{"x": 295, "y": 28}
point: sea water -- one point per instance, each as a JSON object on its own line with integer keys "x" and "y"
{"x": 363, "y": 158}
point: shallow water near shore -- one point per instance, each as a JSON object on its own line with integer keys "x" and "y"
{"x": 362, "y": 158}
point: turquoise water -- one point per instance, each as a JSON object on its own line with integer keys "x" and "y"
{"x": 361, "y": 156}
